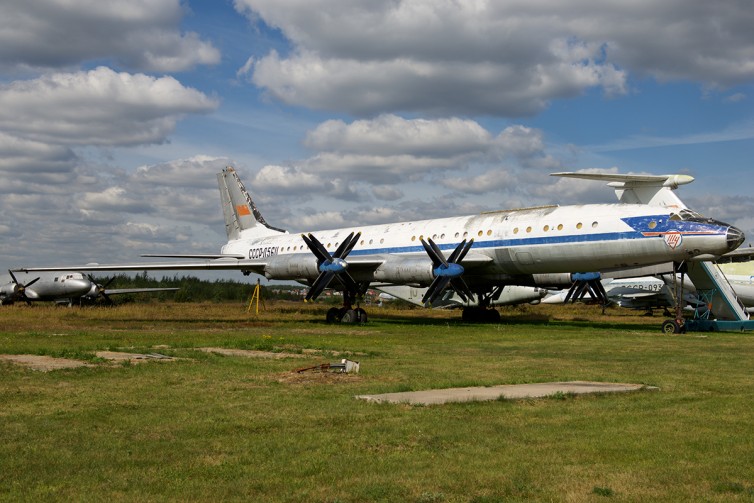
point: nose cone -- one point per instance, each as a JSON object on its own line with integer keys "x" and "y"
{"x": 77, "y": 286}
{"x": 734, "y": 238}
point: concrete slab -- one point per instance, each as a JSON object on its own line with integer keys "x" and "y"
{"x": 506, "y": 391}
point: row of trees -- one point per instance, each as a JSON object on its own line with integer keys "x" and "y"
{"x": 193, "y": 289}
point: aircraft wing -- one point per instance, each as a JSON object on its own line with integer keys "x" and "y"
{"x": 232, "y": 262}
{"x": 121, "y": 291}
{"x": 738, "y": 255}
{"x": 218, "y": 264}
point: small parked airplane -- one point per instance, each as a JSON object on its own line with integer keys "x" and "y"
{"x": 472, "y": 255}
{"x": 69, "y": 287}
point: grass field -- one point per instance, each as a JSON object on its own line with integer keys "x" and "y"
{"x": 223, "y": 428}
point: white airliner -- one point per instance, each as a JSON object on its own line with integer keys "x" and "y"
{"x": 68, "y": 287}
{"x": 532, "y": 246}
{"x": 648, "y": 292}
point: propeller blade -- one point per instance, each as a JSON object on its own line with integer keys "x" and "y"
{"x": 316, "y": 247}
{"x": 438, "y": 253}
{"x": 31, "y": 282}
{"x": 435, "y": 289}
{"x": 461, "y": 288}
{"x": 602, "y": 294}
{"x": 324, "y": 257}
{"x": 347, "y": 245}
{"x": 442, "y": 281}
{"x": 319, "y": 285}
{"x": 465, "y": 251}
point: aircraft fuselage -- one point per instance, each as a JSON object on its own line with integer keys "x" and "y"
{"x": 527, "y": 241}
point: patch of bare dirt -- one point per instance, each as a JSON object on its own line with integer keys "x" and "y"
{"x": 117, "y": 356}
{"x": 252, "y": 353}
{"x": 317, "y": 377}
{"x": 44, "y": 363}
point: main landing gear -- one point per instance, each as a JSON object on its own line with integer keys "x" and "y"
{"x": 347, "y": 313}
{"x": 483, "y": 313}
{"x": 476, "y": 314}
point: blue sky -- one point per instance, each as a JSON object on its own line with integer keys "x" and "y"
{"x": 354, "y": 112}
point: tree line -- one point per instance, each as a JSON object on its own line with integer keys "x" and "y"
{"x": 193, "y": 289}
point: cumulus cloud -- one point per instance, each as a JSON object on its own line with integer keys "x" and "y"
{"x": 492, "y": 58}
{"x": 98, "y": 107}
{"x": 138, "y": 34}
{"x": 20, "y": 156}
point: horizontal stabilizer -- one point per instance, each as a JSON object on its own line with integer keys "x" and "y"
{"x": 639, "y": 189}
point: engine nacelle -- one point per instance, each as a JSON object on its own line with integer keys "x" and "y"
{"x": 561, "y": 279}
{"x": 408, "y": 270}
{"x": 291, "y": 266}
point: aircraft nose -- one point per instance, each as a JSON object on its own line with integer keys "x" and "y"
{"x": 734, "y": 238}
{"x": 78, "y": 285}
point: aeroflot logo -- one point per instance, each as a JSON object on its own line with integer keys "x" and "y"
{"x": 264, "y": 252}
{"x": 673, "y": 239}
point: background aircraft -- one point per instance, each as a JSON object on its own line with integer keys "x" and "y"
{"x": 530, "y": 247}
{"x": 66, "y": 287}
{"x": 507, "y": 296}
{"x": 648, "y": 292}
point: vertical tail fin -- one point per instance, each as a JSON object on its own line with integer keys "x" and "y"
{"x": 238, "y": 209}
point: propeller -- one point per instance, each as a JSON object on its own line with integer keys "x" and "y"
{"x": 19, "y": 289}
{"x": 586, "y": 283}
{"x": 447, "y": 272}
{"x": 99, "y": 290}
{"x": 331, "y": 266}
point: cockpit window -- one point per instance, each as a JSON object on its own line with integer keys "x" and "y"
{"x": 688, "y": 215}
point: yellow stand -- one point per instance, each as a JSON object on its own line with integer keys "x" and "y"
{"x": 255, "y": 297}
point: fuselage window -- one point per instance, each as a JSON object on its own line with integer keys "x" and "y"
{"x": 546, "y": 228}
{"x": 479, "y": 233}
{"x": 528, "y": 229}
{"x": 652, "y": 224}
{"x": 413, "y": 238}
{"x": 560, "y": 227}
{"x": 458, "y": 234}
{"x": 579, "y": 225}
{"x": 594, "y": 225}
{"x": 382, "y": 241}
{"x": 465, "y": 234}
{"x": 442, "y": 236}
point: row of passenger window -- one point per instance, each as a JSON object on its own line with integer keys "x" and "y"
{"x": 457, "y": 235}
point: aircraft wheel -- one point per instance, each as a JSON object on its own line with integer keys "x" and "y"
{"x": 469, "y": 315}
{"x": 333, "y": 315}
{"x": 671, "y": 327}
{"x": 349, "y": 317}
{"x": 492, "y": 316}
{"x": 361, "y": 316}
